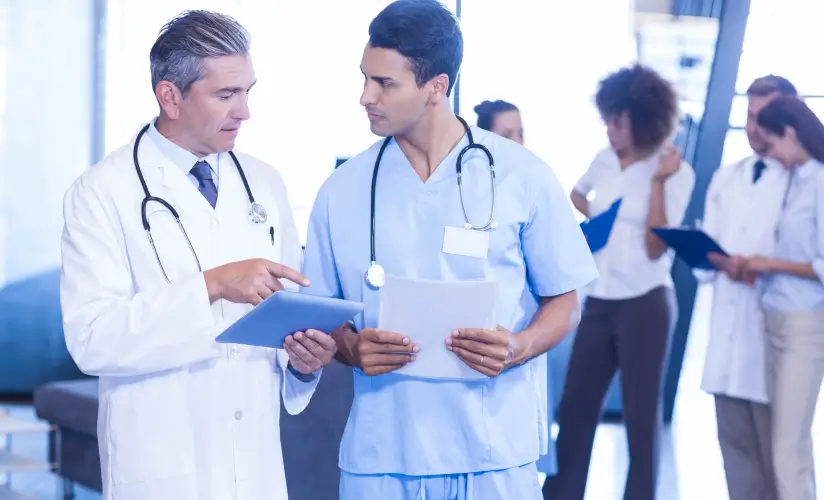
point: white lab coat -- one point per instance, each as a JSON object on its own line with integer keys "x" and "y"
{"x": 181, "y": 417}
{"x": 742, "y": 217}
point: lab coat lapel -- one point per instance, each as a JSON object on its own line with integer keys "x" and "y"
{"x": 173, "y": 178}
{"x": 167, "y": 181}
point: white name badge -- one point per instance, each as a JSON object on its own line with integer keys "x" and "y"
{"x": 466, "y": 242}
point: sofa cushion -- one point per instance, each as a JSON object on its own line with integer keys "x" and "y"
{"x": 69, "y": 404}
{"x": 32, "y": 348}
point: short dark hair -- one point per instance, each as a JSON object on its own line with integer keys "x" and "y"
{"x": 770, "y": 84}
{"x": 488, "y": 110}
{"x": 425, "y": 32}
{"x": 787, "y": 111}
{"x": 649, "y": 100}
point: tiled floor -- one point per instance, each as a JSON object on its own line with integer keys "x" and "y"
{"x": 690, "y": 467}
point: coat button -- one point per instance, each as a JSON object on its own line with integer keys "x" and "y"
{"x": 235, "y": 350}
{"x": 238, "y": 415}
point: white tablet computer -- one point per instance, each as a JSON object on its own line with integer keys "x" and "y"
{"x": 287, "y": 312}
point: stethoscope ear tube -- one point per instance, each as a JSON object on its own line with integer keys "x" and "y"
{"x": 375, "y": 274}
{"x": 257, "y": 214}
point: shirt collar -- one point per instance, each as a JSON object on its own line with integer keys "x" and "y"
{"x": 805, "y": 170}
{"x": 184, "y": 159}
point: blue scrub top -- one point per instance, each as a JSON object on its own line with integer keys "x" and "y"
{"x": 412, "y": 426}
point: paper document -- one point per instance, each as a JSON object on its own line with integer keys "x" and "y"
{"x": 428, "y": 311}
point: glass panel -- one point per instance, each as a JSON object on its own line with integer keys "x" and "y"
{"x": 523, "y": 51}
{"x": 682, "y": 49}
{"x": 305, "y": 107}
{"x": 46, "y": 99}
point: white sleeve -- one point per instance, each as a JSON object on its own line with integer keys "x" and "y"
{"x": 709, "y": 223}
{"x": 296, "y": 393}
{"x": 587, "y": 181}
{"x": 109, "y": 329}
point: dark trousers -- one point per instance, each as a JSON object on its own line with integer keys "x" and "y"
{"x": 632, "y": 336}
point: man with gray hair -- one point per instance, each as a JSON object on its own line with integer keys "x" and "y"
{"x": 168, "y": 241}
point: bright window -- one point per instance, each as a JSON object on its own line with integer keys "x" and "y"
{"x": 541, "y": 57}
{"x": 305, "y": 108}
{"x": 781, "y": 38}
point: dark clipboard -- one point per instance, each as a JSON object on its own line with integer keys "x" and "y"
{"x": 693, "y": 246}
{"x": 597, "y": 229}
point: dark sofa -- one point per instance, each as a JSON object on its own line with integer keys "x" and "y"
{"x": 310, "y": 440}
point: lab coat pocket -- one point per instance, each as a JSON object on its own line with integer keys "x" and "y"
{"x": 150, "y": 437}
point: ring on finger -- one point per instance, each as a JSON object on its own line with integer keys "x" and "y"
{"x": 482, "y": 359}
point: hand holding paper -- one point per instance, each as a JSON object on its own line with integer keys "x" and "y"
{"x": 487, "y": 351}
{"x": 381, "y": 351}
{"x": 428, "y": 311}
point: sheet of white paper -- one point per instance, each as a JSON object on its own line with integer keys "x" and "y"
{"x": 428, "y": 311}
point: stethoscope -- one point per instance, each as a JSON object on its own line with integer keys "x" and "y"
{"x": 257, "y": 214}
{"x": 375, "y": 274}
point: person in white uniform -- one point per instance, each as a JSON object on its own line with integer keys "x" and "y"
{"x": 182, "y": 417}
{"x": 791, "y": 279}
{"x": 407, "y": 437}
{"x": 630, "y": 310}
{"x": 741, "y": 212}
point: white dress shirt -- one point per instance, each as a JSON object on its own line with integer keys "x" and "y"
{"x": 741, "y": 215}
{"x": 800, "y": 238}
{"x": 184, "y": 158}
{"x": 625, "y": 269}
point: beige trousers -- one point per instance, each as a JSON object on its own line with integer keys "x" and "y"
{"x": 795, "y": 367}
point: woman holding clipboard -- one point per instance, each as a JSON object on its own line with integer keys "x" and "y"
{"x": 630, "y": 309}
{"x": 793, "y": 293}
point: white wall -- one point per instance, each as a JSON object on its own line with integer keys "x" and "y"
{"x": 45, "y": 128}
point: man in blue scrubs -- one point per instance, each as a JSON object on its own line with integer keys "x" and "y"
{"x": 416, "y": 438}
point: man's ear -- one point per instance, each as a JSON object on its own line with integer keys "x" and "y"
{"x": 170, "y": 98}
{"x": 439, "y": 86}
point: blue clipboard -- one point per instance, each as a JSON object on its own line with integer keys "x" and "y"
{"x": 597, "y": 229}
{"x": 693, "y": 246}
{"x": 284, "y": 313}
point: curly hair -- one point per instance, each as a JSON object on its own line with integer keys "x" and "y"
{"x": 649, "y": 100}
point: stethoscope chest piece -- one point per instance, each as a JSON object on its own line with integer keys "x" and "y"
{"x": 257, "y": 213}
{"x": 375, "y": 276}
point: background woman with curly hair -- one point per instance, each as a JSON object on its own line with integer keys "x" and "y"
{"x": 630, "y": 309}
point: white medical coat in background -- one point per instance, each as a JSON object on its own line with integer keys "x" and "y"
{"x": 741, "y": 216}
{"x": 181, "y": 417}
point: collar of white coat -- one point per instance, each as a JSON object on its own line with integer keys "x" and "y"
{"x": 807, "y": 169}
{"x": 175, "y": 154}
